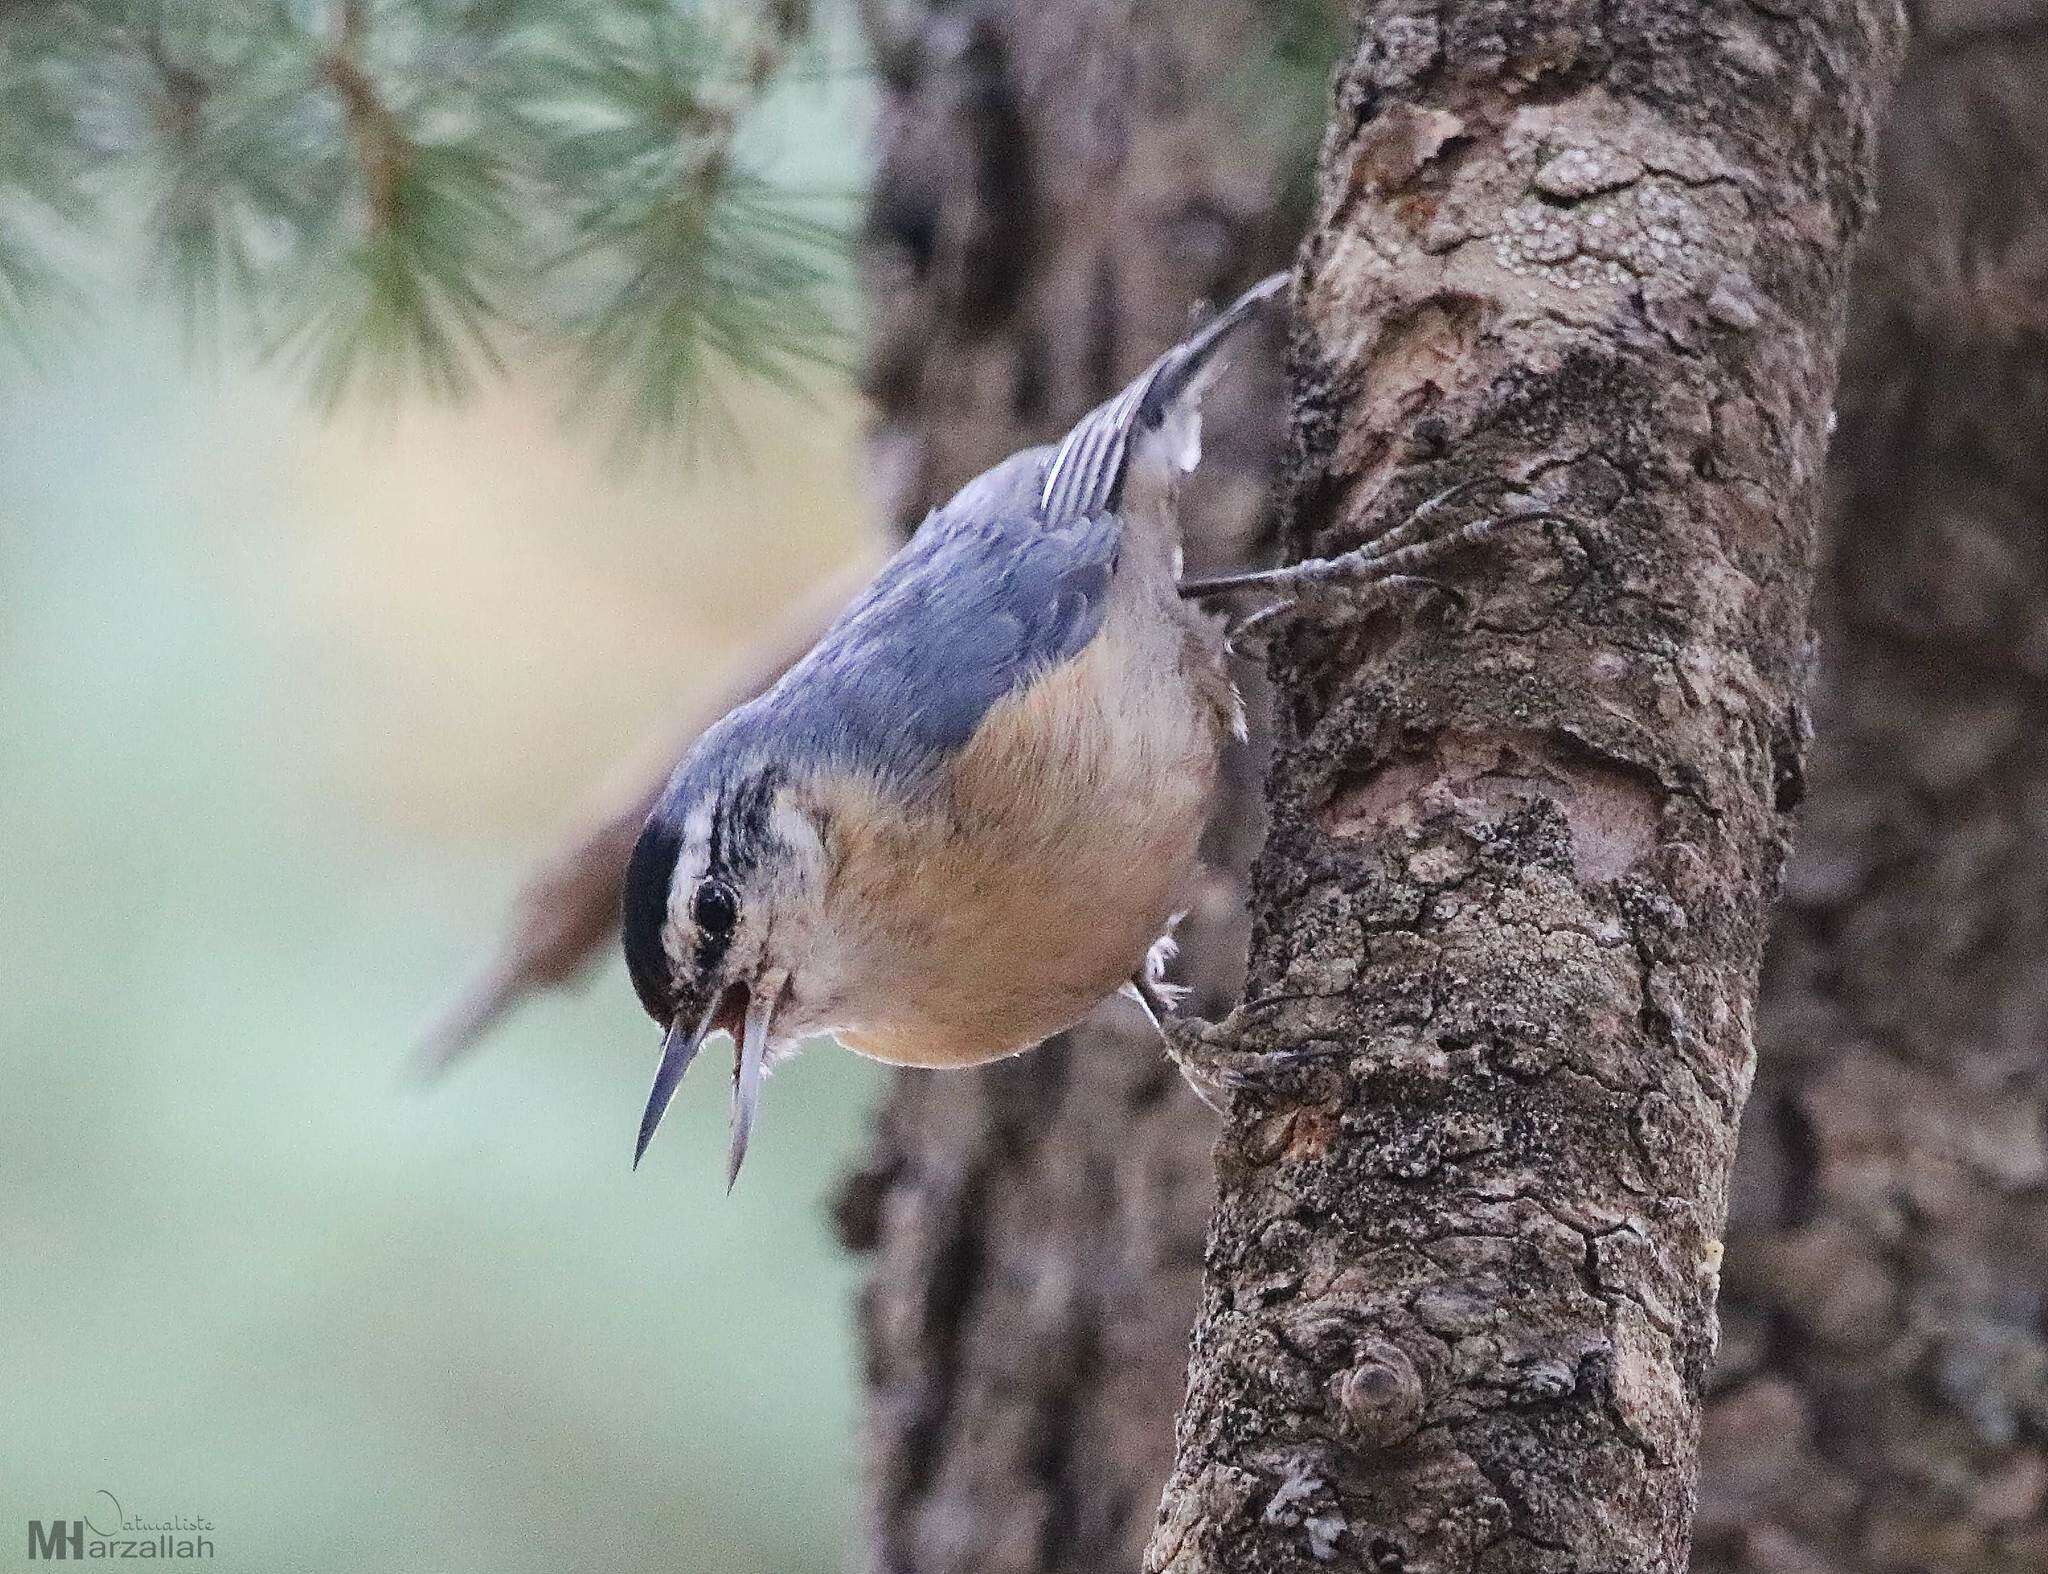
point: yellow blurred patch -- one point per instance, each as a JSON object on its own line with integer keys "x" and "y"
{"x": 490, "y": 611}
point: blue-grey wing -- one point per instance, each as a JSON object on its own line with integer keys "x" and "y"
{"x": 1086, "y": 475}
{"x": 984, "y": 597}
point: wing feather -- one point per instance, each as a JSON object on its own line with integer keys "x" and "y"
{"x": 1010, "y": 578}
{"x": 1086, "y": 475}
{"x": 984, "y": 597}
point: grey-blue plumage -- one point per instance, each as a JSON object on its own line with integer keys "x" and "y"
{"x": 983, "y": 596}
{"x": 1007, "y": 578}
{"x": 967, "y": 815}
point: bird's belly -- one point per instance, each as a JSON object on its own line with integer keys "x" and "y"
{"x": 1067, "y": 842}
{"x": 1013, "y": 963}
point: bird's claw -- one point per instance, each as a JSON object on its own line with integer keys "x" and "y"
{"x": 1262, "y": 627}
{"x": 1367, "y": 578}
{"x": 1214, "y": 1070}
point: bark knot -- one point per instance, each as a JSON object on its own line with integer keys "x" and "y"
{"x": 1398, "y": 146}
{"x": 1380, "y": 1397}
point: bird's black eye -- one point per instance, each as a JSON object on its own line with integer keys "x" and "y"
{"x": 714, "y": 909}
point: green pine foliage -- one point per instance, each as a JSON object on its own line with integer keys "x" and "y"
{"x": 392, "y": 194}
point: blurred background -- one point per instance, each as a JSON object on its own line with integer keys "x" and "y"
{"x": 288, "y": 702}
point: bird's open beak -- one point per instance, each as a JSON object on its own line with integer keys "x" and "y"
{"x": 746, "y": 1012}
{"x": 677, "y": 1051}
{"x": 747, "y": 1069}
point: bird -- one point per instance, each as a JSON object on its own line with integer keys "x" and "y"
{"x": 970, "y": 813}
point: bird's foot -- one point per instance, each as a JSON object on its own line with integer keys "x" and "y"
{"x": 1367, "y": 578}
{"x": 1260, "y": 628}
{"x": 1211, "y": 1065}
{"x": 1202, "y": 1049}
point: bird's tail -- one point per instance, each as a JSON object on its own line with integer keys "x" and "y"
{"x": 1163, "y": 407}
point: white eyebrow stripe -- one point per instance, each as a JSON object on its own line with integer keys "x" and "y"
{"x": 693, "y": 861}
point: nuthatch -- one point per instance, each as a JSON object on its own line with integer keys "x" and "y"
{"x": 970, "y": 813}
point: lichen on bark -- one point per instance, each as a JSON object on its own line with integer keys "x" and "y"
{"x": 1459, "y": 1301}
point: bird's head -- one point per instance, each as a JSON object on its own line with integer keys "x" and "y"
{"x": 720, "y": 893}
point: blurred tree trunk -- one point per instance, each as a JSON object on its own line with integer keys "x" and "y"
{"x": 1882, "y": 1389}
{"x": 1060, "y": 183}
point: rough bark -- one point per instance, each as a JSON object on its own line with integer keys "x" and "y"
{"x": 1459, "y": 1302}
{"x": 1059, "y": 184}
{"x": 1882, "y": 1387}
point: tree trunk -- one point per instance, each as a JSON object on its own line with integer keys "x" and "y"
{"x": 1459, "y": 1307}
{"x": 1882, "y": 1390}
